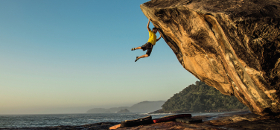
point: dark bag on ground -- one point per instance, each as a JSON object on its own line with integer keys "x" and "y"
{"x": 141, "y": 121}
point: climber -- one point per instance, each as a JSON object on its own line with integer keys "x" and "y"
{"x": 149, "y": 45}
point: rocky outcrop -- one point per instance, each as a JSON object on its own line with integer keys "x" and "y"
{"x": 226, "y": 121}
{"x": 232, "y": 45}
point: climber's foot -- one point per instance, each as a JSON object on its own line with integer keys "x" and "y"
{"x": 137, "y": 58}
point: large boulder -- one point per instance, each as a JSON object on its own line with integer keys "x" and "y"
{"x": 232, "y": 45}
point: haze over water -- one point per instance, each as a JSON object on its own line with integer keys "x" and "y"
{"x": 69, "y": 56}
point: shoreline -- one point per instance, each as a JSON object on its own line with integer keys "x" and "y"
{"x": 242, "y": 120}
{"x": 231, "y": 120}
{"x": 106, "y": 125}
{"x": 95, "y": 126}
{"x": 209, "y": 111}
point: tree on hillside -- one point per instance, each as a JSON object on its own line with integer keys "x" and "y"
{"x": 200, "y": 98}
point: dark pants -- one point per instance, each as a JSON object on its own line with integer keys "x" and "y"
{"x": 149, "y": 47}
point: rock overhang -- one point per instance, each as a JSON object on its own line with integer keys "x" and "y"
{"x": 231, "y": 45}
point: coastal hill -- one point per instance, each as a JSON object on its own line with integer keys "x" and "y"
{"x": 200, "y": 97}
{"x": 232, "y": 45}
{"x": 143, "y": 107}
{"x": 146, "y": 106}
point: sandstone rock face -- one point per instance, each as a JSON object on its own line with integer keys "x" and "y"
{"x": 232, "y": 45}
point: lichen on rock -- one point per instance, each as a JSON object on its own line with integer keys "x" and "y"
{"x": 232, "y": 45}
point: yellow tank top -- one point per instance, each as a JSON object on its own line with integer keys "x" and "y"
{"x": 152, "y": 38}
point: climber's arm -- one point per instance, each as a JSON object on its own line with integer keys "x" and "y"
{"x": 159, "y": 37}
{"x": 149, "y": 25}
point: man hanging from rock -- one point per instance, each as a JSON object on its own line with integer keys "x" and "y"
{"x": 150, "y": 44}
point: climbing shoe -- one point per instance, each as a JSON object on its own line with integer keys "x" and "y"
{"x": 133, "y": 49}
{"x": 137, "y": 58}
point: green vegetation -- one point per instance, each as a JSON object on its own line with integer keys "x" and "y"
{"x": 200, "y": 98}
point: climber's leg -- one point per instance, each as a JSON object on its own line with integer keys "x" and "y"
{"x": 135, "y": 48}
{"x": 143, "y": 56}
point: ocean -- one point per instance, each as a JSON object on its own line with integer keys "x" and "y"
{"x": 19, "y": 121}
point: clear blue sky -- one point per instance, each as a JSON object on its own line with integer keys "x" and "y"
{"x": 67, "y": 56}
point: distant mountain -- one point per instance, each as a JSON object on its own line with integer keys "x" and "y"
{"x": 124, "y": 111}
{"x": 103, "y": 110}
{"x": 144, "y": 107}
{"x": 117, "y": 109}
